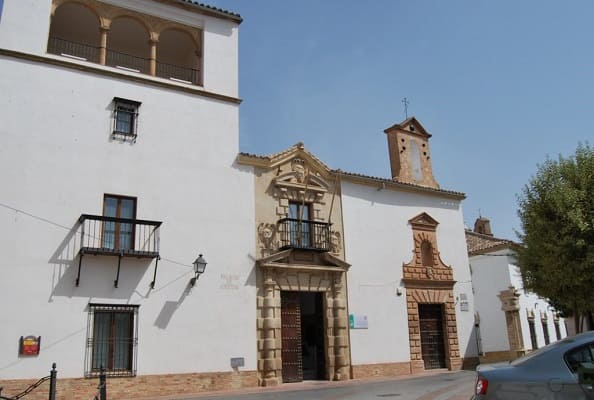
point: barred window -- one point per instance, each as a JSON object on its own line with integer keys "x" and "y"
{"x": 125, "y": 118}
{"x": 532, "y": 329}
{"x": 545, "y": 331}
{"x": 112, "y": 339}
{"x": 557, "y": 330}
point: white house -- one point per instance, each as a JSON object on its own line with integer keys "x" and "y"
{"x": 510, "y": 321}
{"x": 119, "y": 137}
{"x": 409, "y": 275}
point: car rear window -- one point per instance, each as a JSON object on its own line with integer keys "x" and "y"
{"x": 537, "y": 353}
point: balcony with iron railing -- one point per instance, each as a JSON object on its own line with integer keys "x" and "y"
{"x": 123, "y": 61}
{"x": 304, "y": 234}
{"x": 123, "y": 237}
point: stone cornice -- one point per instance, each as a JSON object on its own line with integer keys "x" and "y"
{"x": 112, "y": 72}
{"x": 427, "y": 284}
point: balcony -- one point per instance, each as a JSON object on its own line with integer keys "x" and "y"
{"x": 127, "y": 62}
{"x": 121, "y": 237}
{"x": 304, "y": 234}
{"x": 130, "y": 41}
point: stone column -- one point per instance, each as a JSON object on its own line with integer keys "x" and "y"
{"x": 453, "y": 360}
{"x": 414, "y": 333}
{"x": 342, "y": 360}
{"x": 103, "y": 46}
{"x": 153, "y": 59}
{"x": 510, "y": 304}
{"x": 269, "y": 344}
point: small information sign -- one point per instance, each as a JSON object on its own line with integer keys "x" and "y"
{"x": 29, "y": 345}
{"x": 357, "y": 321}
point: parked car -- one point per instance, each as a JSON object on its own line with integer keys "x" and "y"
{"x": 562, "y": 370}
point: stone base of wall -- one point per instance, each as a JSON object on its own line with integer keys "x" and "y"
{"x": 139, "y": 387}
{"x": 454, "y": 364}
{"x": 470, "y": 363}
{"x": 380, "y": 370}
{"x": 498, "y": 356}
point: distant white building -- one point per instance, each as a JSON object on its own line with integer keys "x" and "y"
{"x": 509, "y": 320}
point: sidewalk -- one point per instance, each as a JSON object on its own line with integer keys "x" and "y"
{"x": 462, "y": 390}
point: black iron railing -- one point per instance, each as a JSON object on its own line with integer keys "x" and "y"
{"x": 304, "y": 234}
{"x": 186, "y": 74}
{"x": 67, "y": 48}
{"x": 52, "y": 377}
{"x": 119, "y": 236}
{"x": 123, "y": 60}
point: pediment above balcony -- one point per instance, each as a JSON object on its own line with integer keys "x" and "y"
{"x": 294, "y": 259}
{"x": 300, "y": 175}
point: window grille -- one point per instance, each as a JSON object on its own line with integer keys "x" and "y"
{"x": 112, "y": 339}
{"x": 545, "y": 331}
{"x": 557, "y": 330}
{"x": 125, "y": 118}
{"x": 532, "y": 333}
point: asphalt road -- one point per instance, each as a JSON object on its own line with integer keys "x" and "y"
{"x": 431, "y": 386}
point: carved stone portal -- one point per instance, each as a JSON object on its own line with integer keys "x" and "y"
{"x": 284, "y": 272}
{"x": 510, "y": 304}
{"x": 429, "y": 281}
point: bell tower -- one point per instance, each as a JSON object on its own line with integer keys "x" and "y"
{"x": 410, "y": 160}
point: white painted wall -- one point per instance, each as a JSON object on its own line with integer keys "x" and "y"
{"x": 25, "y": 27}
{"x": 490, "y": 276}
{"x": 492, "y": 273}
{"x": 378, "y": 240}
{"x": 530, "y": 301}
{"x": 57, "y": 161}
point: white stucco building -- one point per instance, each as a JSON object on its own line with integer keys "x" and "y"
{"x": 121, "y": 168}
{"x": 510, "y": 320}
{"x": 119, "y": 137}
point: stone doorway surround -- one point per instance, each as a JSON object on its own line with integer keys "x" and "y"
{"x": 428, "y": 280}
{"x": 293, "y": 270}
{"x": 510, "y": 304}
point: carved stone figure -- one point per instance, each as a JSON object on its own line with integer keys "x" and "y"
{"x": 267, "y": 234}
{"x": 335, "y": 243}
{"x": 298, "y": 166}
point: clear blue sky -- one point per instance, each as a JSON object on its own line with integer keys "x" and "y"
{"x": 499, "y": 84}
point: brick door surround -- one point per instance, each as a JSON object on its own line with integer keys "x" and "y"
{"x": 428, "y": 280}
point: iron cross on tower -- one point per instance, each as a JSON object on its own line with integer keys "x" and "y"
{"x": 406, "y": 103}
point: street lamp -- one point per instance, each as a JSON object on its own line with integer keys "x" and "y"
{"x": 199, "y": 267}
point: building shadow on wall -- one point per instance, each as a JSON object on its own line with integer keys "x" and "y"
{"x": 97, "y": 272}
{"x": 170, "y": 307}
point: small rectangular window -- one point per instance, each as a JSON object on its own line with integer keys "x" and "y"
{"x": 112, "y": 339}
{"x": 125, "y": 118}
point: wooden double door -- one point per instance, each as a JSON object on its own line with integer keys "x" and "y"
{"x": 302, "y": 330}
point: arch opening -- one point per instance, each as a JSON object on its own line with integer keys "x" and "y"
{"x": 128, "y": 45}
{"x": 74, "y": 32}
{"x": 178, "y": 57}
